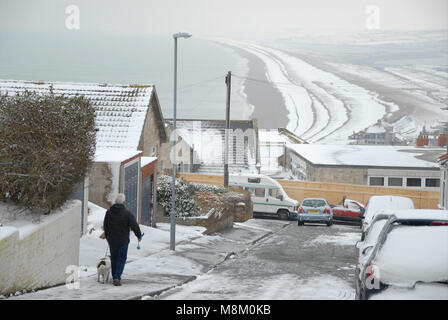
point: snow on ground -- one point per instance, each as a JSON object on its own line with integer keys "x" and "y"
{"x": 92, "y": 247}
{"x": 422, "y": 291}
{"x": 342, "y": 239}
{"x": 212, "y": 286}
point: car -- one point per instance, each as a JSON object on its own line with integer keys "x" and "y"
{"x": 404, "y": 256}
{"x": 377, "y": 203}
{"x": 267, "y": 196}
{"x": 350, "y": 212}
{"x": 315, "y": 210}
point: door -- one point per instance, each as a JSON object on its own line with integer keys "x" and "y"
{"x": 147, "y": 201}
{"x": 274, "y": 201}
{"x": 258, "y": 199}
{"x": 131, "y": 188}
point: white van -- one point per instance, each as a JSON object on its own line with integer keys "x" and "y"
{"x": 377, "y": 203}
{"x": 268, "y": 196}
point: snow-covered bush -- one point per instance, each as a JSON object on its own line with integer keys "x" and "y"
{"x": 186, "y": 205}
{"x": 47, "y": 144}
{"x": 199, "y": 187}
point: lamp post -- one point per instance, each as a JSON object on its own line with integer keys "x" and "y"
{"x": 173, "y": 187}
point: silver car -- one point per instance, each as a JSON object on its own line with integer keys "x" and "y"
{"x": 315, "y": 210}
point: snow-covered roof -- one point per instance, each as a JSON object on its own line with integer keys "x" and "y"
{"x": 115, "y": 155}
{"x": 375, "y": 129}
{"x": 120, "y": 110}
{"x": 147, "y": 160}
{"x": 367, "y": 156}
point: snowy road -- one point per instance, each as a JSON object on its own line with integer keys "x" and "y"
{"x": 308, "y": 262}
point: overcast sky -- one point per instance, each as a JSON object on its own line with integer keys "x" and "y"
{"x": 220, "y": 17}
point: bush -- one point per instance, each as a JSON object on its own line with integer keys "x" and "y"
{"x": 186, "y": 205}
{"x": 47, "y": 144}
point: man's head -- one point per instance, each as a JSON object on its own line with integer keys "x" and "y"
{"x": 120, "y": 199}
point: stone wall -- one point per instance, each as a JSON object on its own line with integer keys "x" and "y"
{"x": 36, "y": 255}
{"x": 218, "y": 211}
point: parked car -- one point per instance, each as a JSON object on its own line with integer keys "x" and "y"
{"x": 267, "y": 196}
{"x": 377, "y": 203}
{"x": 404, "y": 256}
{"x": 315, "y": 210}
{"x": 350, "y": 211}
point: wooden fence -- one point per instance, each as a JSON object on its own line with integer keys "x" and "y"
{"x": 333, "y": 192}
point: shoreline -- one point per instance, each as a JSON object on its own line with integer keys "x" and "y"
{"x": 268, "y": 104}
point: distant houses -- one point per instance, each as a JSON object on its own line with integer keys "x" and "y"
{"x": 380, "y": 133}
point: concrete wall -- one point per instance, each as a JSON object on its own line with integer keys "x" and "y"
{"x": 100, "y": 184}
{"x": 37, "y": 256}
{"x": 337, "y": 174}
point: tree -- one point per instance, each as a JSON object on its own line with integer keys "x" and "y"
{"x": 47, "y": 144}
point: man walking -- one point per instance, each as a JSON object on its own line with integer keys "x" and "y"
{"x": 118, "y": 222}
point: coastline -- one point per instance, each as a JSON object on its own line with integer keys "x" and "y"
{"x": 268, "y": 104}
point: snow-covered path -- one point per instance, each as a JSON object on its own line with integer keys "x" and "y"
{"x": 311, "y": 262}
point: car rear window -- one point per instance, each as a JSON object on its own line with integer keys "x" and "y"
{"x": 314, "y": 203}
{"x": 414, "y": 253}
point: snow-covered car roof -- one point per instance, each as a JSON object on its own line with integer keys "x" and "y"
{"x": 415, "y": 214}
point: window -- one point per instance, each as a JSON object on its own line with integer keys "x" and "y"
{"x": 256, "y": 192}
{"x": 413, "y": 182}
{"x": 274, "y": 193}
{"x": 253, "y": 180}
{"x": 432, "y": 183}
{"x": 153, "y": 152}
{"x": 377, "y": 181}
{"x": 259, "y": 192}
{"x": 395, "y": 182}
{"x": 315, "y": 203}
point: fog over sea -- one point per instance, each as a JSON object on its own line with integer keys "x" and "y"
{"x": 126, "y": 59}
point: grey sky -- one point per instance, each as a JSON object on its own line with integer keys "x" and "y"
{"x": 220, "y": 17}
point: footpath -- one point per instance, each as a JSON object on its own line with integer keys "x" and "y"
{"x": 165, "y": 269}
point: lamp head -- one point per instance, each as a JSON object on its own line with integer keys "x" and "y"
{"x": 182, "y": 35}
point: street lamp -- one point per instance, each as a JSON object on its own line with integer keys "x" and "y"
{"x": 173, "y": 187}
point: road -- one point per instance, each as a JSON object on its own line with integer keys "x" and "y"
{"x": 293, "y": 263}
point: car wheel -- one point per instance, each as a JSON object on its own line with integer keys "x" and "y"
{"x": 329, "y": 223}
{"x": 283, "y": 214}
{"x": 300, "y": 223}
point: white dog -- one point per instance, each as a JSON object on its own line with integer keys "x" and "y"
{"x": 103, "y": 269}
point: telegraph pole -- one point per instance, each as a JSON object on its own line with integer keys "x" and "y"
{"x": 226, "y": 150}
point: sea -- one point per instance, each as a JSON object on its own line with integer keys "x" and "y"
{"x": 133, "y": 59}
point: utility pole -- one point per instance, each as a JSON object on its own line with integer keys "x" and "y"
{"x": 226, "y": 151}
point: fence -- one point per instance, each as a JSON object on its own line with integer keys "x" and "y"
{"x": 334, "y": 192}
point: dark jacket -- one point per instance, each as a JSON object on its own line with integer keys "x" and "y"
{"x": 118, "y": 222}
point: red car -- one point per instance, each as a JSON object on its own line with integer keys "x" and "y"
{"x": 349, "y": 212}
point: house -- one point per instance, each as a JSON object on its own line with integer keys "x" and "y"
{"x": 388, "y": 166}
{"x": 130, "y": 132}
{"x": 272, "y": 144}
{"x": 443, "y": 163}
{"x": 201, "y": 143}
{"x": 380, "y": 133}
